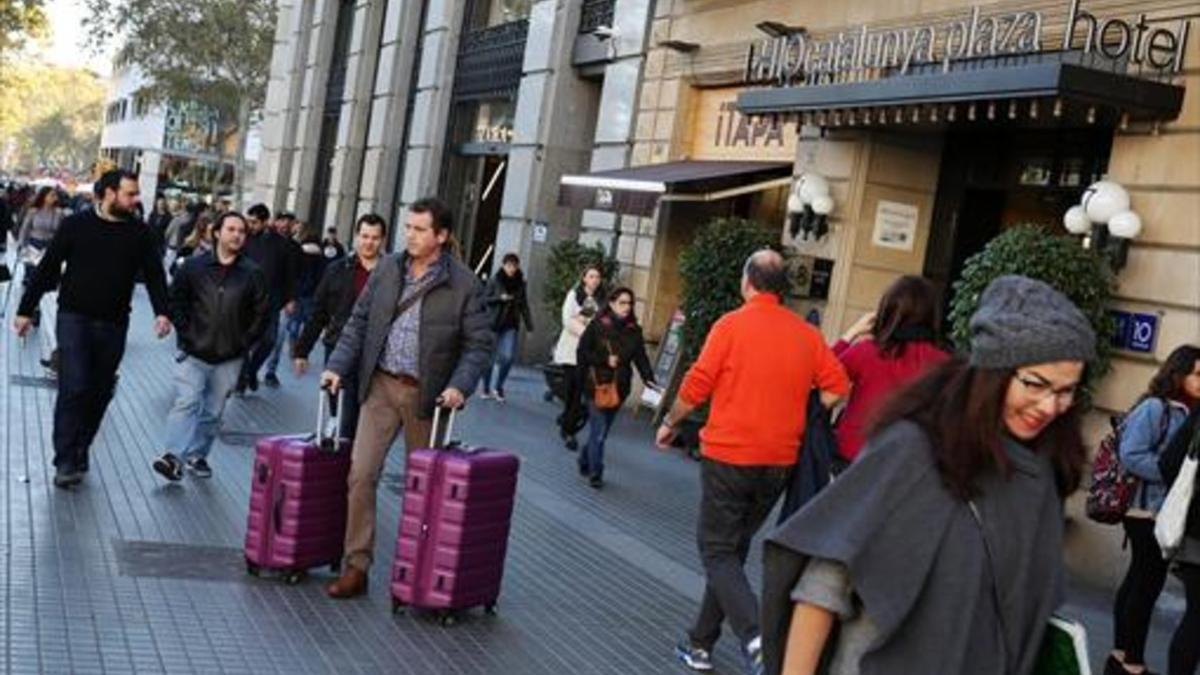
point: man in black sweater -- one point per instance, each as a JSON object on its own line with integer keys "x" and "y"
{"x": 219, "y": 302}
{"x": 274, "y": 255}
{"x": 104, "y": 248}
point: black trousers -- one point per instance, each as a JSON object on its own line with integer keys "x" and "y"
{"x": 91, "y": 350}
{"x": 1185, "y": 646}
{"x": 735, "y": 501}
{"x": 1134, "y": 607}
{"x": 261, "y": 350}
{"x": 574, "y": 414}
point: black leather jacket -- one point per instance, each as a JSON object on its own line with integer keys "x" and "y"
{"x": 332, "y": 302}
{"x": 219, "y": 311}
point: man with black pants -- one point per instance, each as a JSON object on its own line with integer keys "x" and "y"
{"x": 273, "y": 254}
{"x": 758, "y": 365}
{"x": 336, "y": 294}
{"x": 219, "y": 302}
{"x": 104, "y": 249}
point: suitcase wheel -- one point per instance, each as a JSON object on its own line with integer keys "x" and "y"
{"x": 490, "y": 609}
{"x": 447, "y": 619}
{"x": 251, "y": 568}
{"x": 397, "y": 606}
{"x": 547, "y": 396}
{"x": 294, "y": 577}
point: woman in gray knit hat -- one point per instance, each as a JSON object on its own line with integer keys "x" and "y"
{"x": 940, "y": 549}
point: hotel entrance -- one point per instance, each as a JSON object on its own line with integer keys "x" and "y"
{"x": 992, "y": 179}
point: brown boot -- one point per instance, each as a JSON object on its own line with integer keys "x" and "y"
{"x": 352, "y": 583}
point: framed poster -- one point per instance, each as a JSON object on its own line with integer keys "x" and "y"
{"x": 895, "y": 225}
{"x": 666, "y": 362}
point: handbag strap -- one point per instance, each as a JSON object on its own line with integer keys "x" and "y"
{"x": 991, "y": 562}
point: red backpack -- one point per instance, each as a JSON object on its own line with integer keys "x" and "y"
{"x": 1112, "y": 489}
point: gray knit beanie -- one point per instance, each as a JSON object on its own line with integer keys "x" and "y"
{"x": 1023, "y": 321}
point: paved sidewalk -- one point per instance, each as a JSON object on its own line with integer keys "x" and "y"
{"x": 127, "y": 574}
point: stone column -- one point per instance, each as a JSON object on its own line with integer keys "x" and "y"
{"x": 280, "y": 112}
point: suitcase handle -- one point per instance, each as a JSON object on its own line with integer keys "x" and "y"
{"x": 433, "y": 432}
{"x": 327, "y": 401}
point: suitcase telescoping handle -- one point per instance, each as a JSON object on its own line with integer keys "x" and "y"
{"x": 433, "y": 431}
{"x": 328, "y": 435}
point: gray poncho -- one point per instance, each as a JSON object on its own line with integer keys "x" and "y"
{"x": 918, "y": 564}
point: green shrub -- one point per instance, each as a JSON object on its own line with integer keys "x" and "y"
{"x": 1080, "y": 274}
{"x": 711, "y": 270}
{"x": 565, "y": 265}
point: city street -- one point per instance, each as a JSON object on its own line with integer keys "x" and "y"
{"x": 127, "y": 574}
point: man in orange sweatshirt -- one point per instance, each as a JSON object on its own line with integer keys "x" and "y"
{"x": 758, "y": 366}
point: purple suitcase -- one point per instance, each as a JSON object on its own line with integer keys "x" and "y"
{"x": 454, "y": 524}
{"x": 297, "y": 516}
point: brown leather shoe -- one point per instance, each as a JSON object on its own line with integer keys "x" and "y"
{"x": 352, "y": 583}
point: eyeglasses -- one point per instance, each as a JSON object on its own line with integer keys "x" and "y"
{"x": 1039, "y": 388}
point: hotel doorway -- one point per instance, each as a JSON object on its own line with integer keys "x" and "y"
{"x": 994, "y": 179}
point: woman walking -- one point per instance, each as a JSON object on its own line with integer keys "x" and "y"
{"x": 940, "y": 549}
{"x": 609, "y": 349}
{"x": 884, "y": 351}
{"x": 1145, "y": 434}
{"x": 578, "y": 309}
{"x": 509, "y": 305}
{"x": 1184, "y": 654}
{"x": 38, "y": 227}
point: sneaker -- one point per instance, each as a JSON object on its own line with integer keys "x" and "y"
{"x": 693, "y": 657}
{"x": 572, "y": 444}
{"x": 168, "y": 466}
{"x": 754, "y": 657}
{"x": 583, "y": 469}
{"x": 499, "y": 395}
{"x": 252, "y": 383}
{"x": 67, "y": 478}
{"x": 487, "y": 394}
{"x": 596, "y": 482}
{"x": 271, "y": 380}
{"x": 200, "y": 468}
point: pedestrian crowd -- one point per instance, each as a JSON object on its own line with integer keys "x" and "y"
{"x": 932, "y": 543}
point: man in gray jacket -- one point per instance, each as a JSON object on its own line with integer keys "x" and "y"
{"x": 419, "y": 337}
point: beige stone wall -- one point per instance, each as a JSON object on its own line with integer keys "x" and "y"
{"x": 1159, "y": 165}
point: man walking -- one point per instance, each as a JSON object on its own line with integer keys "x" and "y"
{"x": 758, "y": 366}
{"x": 340, "y": 286}
{"x": 285, "y": 225}
{"x": 219, "y": 302}
{"x": 103, "y": 249}
{"x": 273, "y": 254}
{"x": 418, "y": 338}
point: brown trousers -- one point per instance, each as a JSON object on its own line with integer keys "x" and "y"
{"x": 392, "y": 404}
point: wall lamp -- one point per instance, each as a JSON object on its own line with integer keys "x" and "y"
{"x": 776, "y": 29}
{"x": 809, "y": 207}
{"x": 1105, "y": 222}
{"x": 680, "y": 46}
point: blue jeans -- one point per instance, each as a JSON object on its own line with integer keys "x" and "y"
{"x": 591, "y": 458}
{"x": 506, "y": 353}
{"x": 201, "y": 390}
{"x": 289, "y": 331}
{"x": 90, "y": 351}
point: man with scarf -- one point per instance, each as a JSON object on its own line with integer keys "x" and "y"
{"x": 509, "y": 304}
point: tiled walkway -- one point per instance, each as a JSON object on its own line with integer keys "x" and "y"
{"x": 126, "y": 574}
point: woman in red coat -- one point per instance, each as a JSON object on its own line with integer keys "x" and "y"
{"x": 886, "y": 350}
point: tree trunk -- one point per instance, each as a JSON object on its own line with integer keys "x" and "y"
{"x": 239, "y": 163}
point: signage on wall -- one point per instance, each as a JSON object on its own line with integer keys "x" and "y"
{"x": 1135, "y": 332}
{"x": 810, "y": 277}
{"x": 895, "y": 225}
{"x": 721, "y": 131}
{"x": 797, "y": 58}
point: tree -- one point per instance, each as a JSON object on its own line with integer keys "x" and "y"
{"x": 53, "y": 115}
{"x": 19, "y": 19}
{"x": 215, "y": 53}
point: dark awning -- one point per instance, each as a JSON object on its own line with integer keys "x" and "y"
{"x": 1116, "y": 94}
{"x": 638, "y": 190}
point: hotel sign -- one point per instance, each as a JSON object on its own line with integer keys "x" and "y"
{"x": 797, "y": 58}
{"x": 722, "y": 132}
